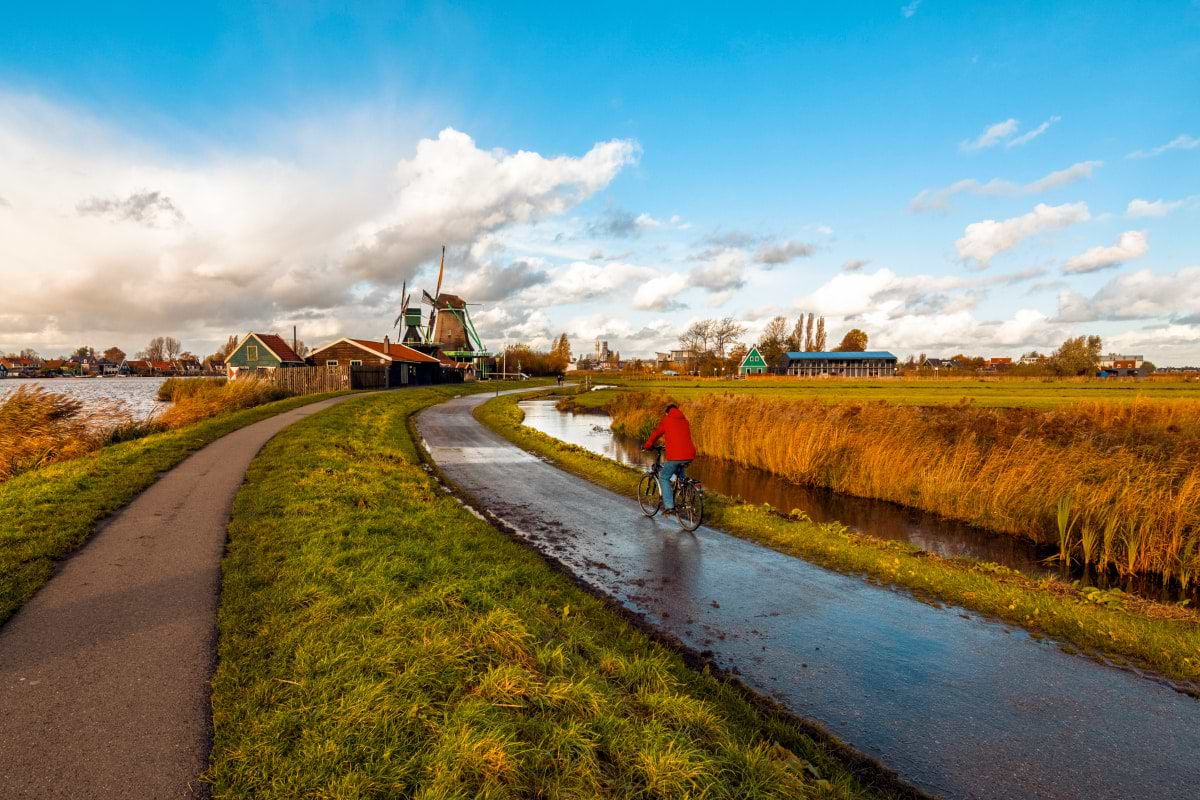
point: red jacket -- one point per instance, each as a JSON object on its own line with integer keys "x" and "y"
{"x": 675, "y": 430}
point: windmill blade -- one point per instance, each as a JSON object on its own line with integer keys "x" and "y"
{"x": 441, "y": 273}
{"x": 396, "y": 324}
{"x": 404, "y": 304}
{"x": 425, "y": 294}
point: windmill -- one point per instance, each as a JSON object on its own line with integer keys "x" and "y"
{"x": 448, "y": 329}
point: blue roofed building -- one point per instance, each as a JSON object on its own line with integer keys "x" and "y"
{"x": 868, "y": 364}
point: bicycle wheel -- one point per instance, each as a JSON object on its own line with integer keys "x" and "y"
{"x": 649, "y": 495}
{"x": 690, "y": 508}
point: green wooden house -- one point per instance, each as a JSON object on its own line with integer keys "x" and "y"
{"x": 261, "y": 351}
{"x": 753, "y": 363}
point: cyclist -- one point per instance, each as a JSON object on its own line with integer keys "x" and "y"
{"x": 674, "y": 429}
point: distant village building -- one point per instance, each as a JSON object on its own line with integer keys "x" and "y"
{"x": 868, "y": 364}
{"x": 753, "y": 363}
{"x": 1117, "y": 361}
{"x": 1033, "y": 359}
{"x": 264, "y": 351}
{"x": 994, "y": 363}
{"x": 405, "y": 365}
{"x": 601, "y": 351}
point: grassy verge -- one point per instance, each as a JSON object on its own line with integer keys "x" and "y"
{"x": 1165, "y": 639}
{"x": 379, "y": 640}
{"x": 46, "y": 513}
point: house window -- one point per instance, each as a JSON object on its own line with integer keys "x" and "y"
{"x": 331, "y": 362}
{"x": 252, "y": 352}
{"x": 356, "y": 362}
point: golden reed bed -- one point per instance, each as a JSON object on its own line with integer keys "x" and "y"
{"x": 40, "y": 427}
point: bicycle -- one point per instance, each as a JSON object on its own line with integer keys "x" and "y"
{"x": 689, "y": 495}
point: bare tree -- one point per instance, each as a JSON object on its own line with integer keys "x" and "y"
{"x": 808, "y": 335}
{"x": 774, "y": 340}
{"x": 156, "y": 350}
{"x": 819, "y": 342}
{"x": 725, "y": 332}
{"x": 171, "y": 347}
{"x": 698, "y": 337}
{"x": 796, "y": 340}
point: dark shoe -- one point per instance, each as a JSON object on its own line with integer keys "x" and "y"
{"x": 668, "y": 512}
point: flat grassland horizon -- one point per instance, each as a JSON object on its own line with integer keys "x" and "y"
{"x": 995, "y": 392}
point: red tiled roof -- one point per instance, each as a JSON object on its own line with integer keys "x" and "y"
{"x": 397, "y": 351}
{"x": 138, "y": 364}
{"x": 282, "y": 350}
{"x": 162, "y": 366}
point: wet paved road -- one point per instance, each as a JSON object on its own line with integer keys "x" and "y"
{"x": 105, "y": 674}
{"x": 959, "y": 706}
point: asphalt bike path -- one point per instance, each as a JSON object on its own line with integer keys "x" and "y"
{"x": 958, "y": 705}
{"x": 105, "y": 673}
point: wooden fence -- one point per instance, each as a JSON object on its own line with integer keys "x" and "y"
{"x": 315, "y": 380}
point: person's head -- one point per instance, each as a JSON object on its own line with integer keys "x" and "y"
{"x": 670, "y": 407}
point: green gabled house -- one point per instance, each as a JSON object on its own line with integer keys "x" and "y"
{"x": 261, "y": 351}
{"x": 753, "y": 363}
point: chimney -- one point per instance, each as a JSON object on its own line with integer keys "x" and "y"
{"x": 387, "y": 345}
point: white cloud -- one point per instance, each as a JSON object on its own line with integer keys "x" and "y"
{"x": 983, "y": 241}
{"x": 1160, "y": 343}
{"x": 1029, "y": 136}
{"x": 1151, "y": 208}
{"x": 1130, "y": 245}
{"x": 112, "y": 240}
{"x": 992, "y": 135}
{"x": 451, "y": 192}
{"x": 1181, "y": 142}
{"x": 724, "y": 271}
{"x": 1136, "y": 295}
{"x": 910, "y": 9}
{"x": 661, "y": 293}
{"x": 582, "y": 281}
{"x": 854, "y": 264}
{"x": 939, "y": 199}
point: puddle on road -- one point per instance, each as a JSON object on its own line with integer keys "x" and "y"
{"x": 879, "y": 518}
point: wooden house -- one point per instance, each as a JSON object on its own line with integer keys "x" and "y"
{"x": 753, "y": 363}
{"x": 138, "y": 366}
{"x": 404, "y": 364}
{"x": 261, "y": 351}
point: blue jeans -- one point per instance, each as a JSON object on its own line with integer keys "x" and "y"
{"x": 670, "y": 468}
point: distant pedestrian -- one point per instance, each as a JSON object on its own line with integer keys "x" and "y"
{"x": 677, "y": 434}
{"x": 560, "y": 379}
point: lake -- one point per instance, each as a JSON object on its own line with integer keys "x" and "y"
{"x": 138, "y": 396}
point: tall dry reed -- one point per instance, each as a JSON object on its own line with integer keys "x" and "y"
{"x": 1074, "y": 475}
{"x": 39, "y": 427}
{"x": 194, "y": 399}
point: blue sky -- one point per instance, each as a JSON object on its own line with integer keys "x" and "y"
{"x": 278, "y": 147}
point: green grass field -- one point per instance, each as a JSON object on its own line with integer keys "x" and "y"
{"x": 991, "y": 392}
{"x": 47, "y": 513}
{"x": 379, "y": 640}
